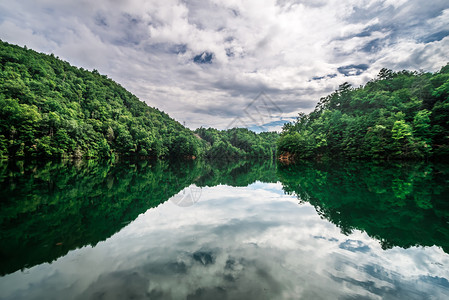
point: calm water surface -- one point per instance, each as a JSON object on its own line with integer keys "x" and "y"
{"x": 249, "y": 230}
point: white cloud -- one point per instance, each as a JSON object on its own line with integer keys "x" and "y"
{"x": 272, "y": 46}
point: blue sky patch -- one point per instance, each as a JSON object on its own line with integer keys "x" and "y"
{"x": 203, "y": 58}
{"x": 353, "y": 70}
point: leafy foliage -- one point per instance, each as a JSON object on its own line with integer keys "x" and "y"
{"x": 50, "y": 108}
{"x": 399, "y": 115}
{"x": 238, "y": 143}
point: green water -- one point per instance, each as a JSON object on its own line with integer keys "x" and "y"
{"x": 247, "y": 230}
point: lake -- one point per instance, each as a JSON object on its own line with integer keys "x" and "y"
{"x": 244, "y": 230}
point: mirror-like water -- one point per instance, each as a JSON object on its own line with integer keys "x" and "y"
{"x": 250, "y": 230}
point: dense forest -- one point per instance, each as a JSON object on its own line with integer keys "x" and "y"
{"x": 237, "y": 143}
{"x": 50, "y": 108}
{"x": 399, "y": 115}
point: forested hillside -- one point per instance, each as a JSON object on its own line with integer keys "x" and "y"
{"x": 399, "y": 115}
{"x": 238, "y": 143}
{"x": 50, "y": 108}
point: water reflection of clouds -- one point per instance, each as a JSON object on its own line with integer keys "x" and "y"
{"x": 252, "y": 243}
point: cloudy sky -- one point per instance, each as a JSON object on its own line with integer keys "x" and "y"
{"x": 234, "y": 63}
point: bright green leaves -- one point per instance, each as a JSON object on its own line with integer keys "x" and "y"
{"x": 18, "y": 123}
{"x": 400, "y": 115}
{"x": 237, "y": 143}
{"x": 49, "y": 108}
{"x": 401, "y": 130}
{"x": 422, "y": 126}
{"x": 64, "y": 141}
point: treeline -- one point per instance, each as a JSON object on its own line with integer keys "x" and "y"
{"x": 399, "y": 115}
{"x": 237, "y": 143}
{"x": 50, "y": 108}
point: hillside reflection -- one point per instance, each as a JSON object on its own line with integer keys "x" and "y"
{"x": 399, "y": 204}
{"x": 48, "y": 209}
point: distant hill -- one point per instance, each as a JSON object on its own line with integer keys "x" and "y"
{"x": 399, "y": 115}
{"x": 50, "y": 108}
{"x": 237, "y": 143}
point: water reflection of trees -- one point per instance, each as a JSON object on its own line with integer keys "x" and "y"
{"x": 399, "y": 204}
{"x": 50, "y": 208}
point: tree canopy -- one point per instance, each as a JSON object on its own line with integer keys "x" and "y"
{"x": 399, "y": 115}
{"x": 238, "y": 143}
{"x": 50, "y": 108}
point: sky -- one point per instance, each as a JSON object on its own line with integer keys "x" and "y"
{"x": 253, "y": 63}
